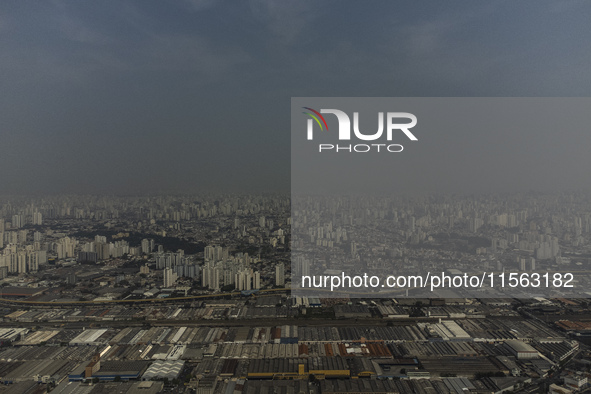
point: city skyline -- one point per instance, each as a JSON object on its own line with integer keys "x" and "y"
{"x": 194, "y": 197}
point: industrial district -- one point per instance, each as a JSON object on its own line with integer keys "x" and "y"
{"x": 192, "y": 294}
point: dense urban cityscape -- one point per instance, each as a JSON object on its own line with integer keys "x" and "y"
{"x": 526, "y": 245}
{"x": 192, "y": 294}
{"x": 292, "y": 197}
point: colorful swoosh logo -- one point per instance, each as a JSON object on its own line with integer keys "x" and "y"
{"x": 315, "y": 116}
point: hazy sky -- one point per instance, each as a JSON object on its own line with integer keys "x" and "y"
{"x": 183, "y": 96}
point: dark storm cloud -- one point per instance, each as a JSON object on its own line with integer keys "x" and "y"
{"x": 144, "y": 96}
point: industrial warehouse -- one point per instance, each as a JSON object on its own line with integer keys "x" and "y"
{"x": 358, "y": 358}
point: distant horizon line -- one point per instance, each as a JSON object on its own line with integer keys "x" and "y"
{"x": 284, "y": 192}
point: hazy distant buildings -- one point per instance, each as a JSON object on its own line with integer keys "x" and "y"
{"x": 170, "y": 277}
{"x": 37, "y": 219}
{"x": 248, "y": 280}
{"x": 215, "y": 253}
{"x": 22, "y": 260}
{"x": 170, "y": 260}
{"x": 146, "y": 249}
{"x": 18, "y": 221}
{"x": 65, "y": 247}
{"x": 186, "y": 271}
{"x": 211, "y": 275}
{"x": 91, "y": 257}
{"x": 475, "y": 224}
{"x": 302, "y": 266}
{"x": 280, "y": 275}
{"x": 548, "y": 248}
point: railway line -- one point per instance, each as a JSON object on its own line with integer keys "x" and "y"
{"x": 7, "y": 301}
